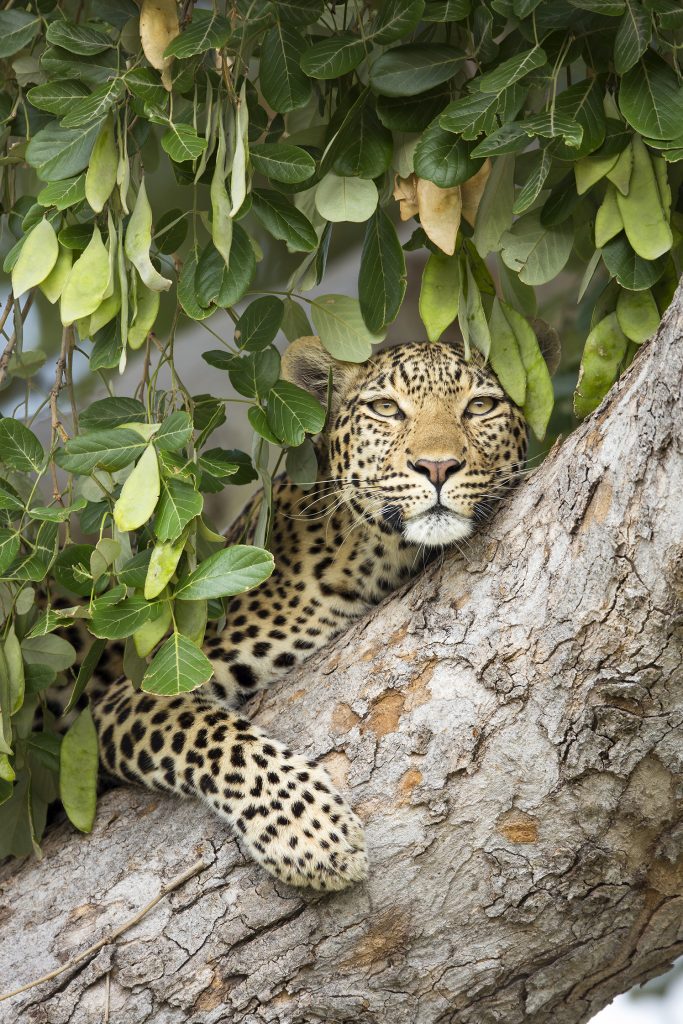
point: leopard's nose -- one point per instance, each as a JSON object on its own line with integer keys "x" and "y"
{"x": 437, "y": 470}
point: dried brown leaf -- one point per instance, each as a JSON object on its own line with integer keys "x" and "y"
{"x": 473, "y": 190}
{"x": 405, "y": 192}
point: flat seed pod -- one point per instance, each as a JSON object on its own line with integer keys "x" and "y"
{"x": 638, "y": 315}
{"x": 158, "y": 28}
{"x": 591, "y": 169}
{"x": 439, "y": 294}
{"x": 100, "y": 177}
{"x": 36, "y": 259}
{"x": 145, "y": 315}
{"x": 162, "y": 565}
{"x": 221, "y": 221}
{"x": 138, "y": 241}
{"x": 538, "y": 401}
{"x": 620, "y": 174}
{"x": 603, "y": 352}
{"x": 78, "y": 762}
{"x": 87, "y": 281}
{"x": 140, "y": 493}
{"x": 608, "y": 222}
{"x": 641, "y": 210}
{"x": 54, "y": 283}
{"x": 440, "y": 210}
{"x": 151, "y": 632}
{"x": 105, "y": 312}
{"x": 506, "y": 361}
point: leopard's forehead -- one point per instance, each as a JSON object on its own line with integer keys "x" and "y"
{"x": 425, "y": 370}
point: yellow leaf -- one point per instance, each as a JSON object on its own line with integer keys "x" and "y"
{"x": 472, "y": 190}
{"x": 54, "y": 283}
{"x": 159, "y": 27}
{"x": 139, "y": 494}
{"x": 439, "y": 210}
{"x": 162, "y": 565}
{"x": 138, "y": 241}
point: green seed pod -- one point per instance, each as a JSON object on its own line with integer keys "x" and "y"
{"x": 659, "y": 166}
{"x": 36, "y": 259}
{"x": 506, "y": 361}
{"x": 608, "y": 222}
{"x": 105, "y": 312}
{"x": 148, "y": 636}
{"x": 221, "y": 221}
{"x": 162, "y": 565}
{"x": 646, "y": 226}
{"x": 87, "y": 281}
{"x": 638, "y": 315}
{"x": 590, "y": 170}
{"x": 620, "y": 174}
{"x": 100, "y": 177}
{"x": 603, "y": 353}
{"x": 54, "y": 283}
{"x": 439, "y": 293}
{"x": 138, "y": 241}
{"x": 145, "y": 315}
{"x": 140, "y": 493}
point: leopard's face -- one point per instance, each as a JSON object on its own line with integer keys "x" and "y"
{"x": 423, "y": 441}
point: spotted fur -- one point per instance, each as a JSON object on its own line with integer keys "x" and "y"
{"x": 339, "y": 548}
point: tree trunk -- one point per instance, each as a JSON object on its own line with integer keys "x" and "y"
{"x": 509, "y": 730}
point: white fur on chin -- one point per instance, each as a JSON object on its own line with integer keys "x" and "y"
{"x": 438, "y": 530}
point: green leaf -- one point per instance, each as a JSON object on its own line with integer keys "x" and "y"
{"x": 282, "y": 162}
{"x": 333, "y": 57}
{"x": 181, "y": 142}
{"x": 638, "y": 315}
{"x": 178, "y": 667}
{"x": 534, "y": 183}
{"x": 187, "y": 288}
{"x": 207, "y": 31}
{"x": 254, "y": 374}
{"x": 63, "y": 194}
{"x": 340, "y": 199}
{"x": 57, "y": 153}
{"x": 471, "y": 316}
{"x": 55, "y": 513}
{"x": 439, "y": 293}
{"x": 412, "y": 113}
{"x": 228, "y": 572}
{"x": 78, "y": 764}
{"x": 85, "y": 671}
{"x": 116, "y": 621}
{"x": 414, "y": 68}
{"x": 10, "y": 543}
{"x": 512, "y": 70}
{"x": 259, "y": 423}
{"x": 537, "y": 253}
{"x": 17, "y": 29}
{"x": 48, "y": 650}
{"x": 134, "y": 572}
{"x": 630, "y": 270}
{"x": 302, "y": 464}
{"x": 292, "y": 413}
{"x": 174, "y": 432}
{"x": 494, "y": 215}
{"x": 81, "y": 39}
{"x": 342, "y": 330}
{"x": 57, "y": 97}
{"x": 178, "y": 505}
{"x": 284, "y": 85}
{"x": 395, "y": 19}
{"x": 633, "y": 37}
{"x": 19, "y": 447}
{"x": 259, "y": 324}
{"x": 365, "y": 149}
{"x": 238, "y": 277}
{"x": 479, "y": 112}
{"x": 97, "y": 68}
{"x": 446, "y": 10}
{"x": 146, "y": 83}
{"x": 651, "y": 99}
{"x": 109, "y": 449}
{"x": 95, "y": 106}
{"x": 382, "y": 277}
{"x": 509, "y": 138}
{"x": 444, "y": 159}
{"x": 284, "y": 221}
{"x": 112, "y": 412}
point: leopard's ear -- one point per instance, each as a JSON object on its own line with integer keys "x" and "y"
{"x": 306, "y": 363}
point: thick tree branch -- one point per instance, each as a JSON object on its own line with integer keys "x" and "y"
{"x": 510, "y": 731}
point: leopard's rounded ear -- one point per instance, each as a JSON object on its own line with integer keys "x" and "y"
{"x": 308, "y": 364}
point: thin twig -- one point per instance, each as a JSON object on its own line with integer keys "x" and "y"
{"x": 9, "y": 347}
{"x": 175, "y": 883}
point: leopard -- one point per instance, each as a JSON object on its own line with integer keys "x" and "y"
{"x": 420, "y": 444}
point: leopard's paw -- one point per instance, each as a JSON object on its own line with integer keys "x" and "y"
{"x": 301, "y": 829}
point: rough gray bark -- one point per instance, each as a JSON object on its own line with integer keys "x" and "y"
{"x": 508, "y": 729}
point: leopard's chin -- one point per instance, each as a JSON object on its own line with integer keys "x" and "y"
{"x": 437, "y": 528}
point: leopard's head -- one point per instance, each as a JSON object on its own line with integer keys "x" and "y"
{"x": 418, "y": 438}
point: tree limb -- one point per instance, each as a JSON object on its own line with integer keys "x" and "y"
{"x": 509, "y": 728}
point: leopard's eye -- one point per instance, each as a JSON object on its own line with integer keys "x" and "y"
{"x": 385, "y": 407}
{"x": 480, "y": 406}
